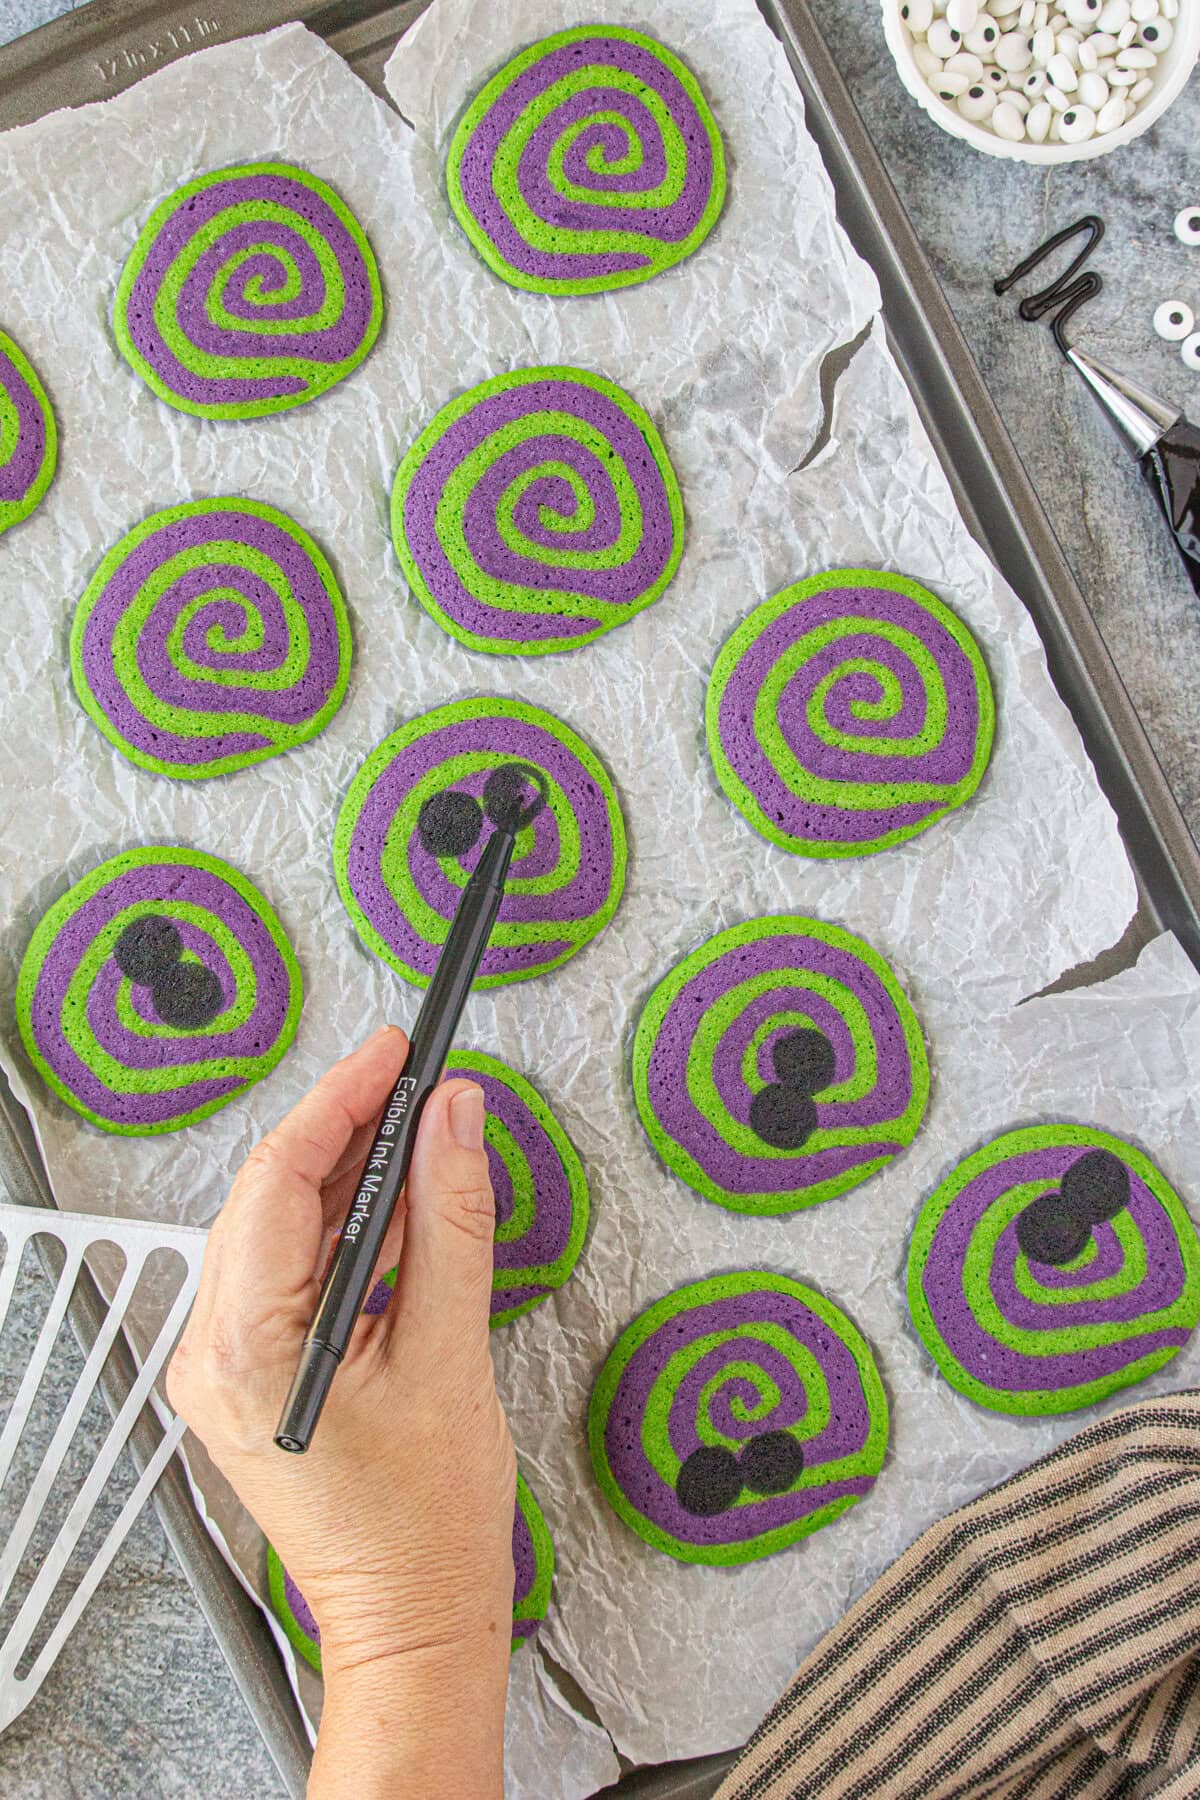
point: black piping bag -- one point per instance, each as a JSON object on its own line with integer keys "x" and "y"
{"x": 1165, "y": 443}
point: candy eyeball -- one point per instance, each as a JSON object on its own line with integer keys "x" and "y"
{"x": 1156, "y": 34}
{"x": 1190, "y": 351}
{"x": 1173, "y": 320}
{"x": 1187, "y": 225}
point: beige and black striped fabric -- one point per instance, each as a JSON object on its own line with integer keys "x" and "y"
{"x": 1043, "y": 1643}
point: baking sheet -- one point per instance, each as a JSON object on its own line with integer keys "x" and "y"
{"x": 725, "y": 352}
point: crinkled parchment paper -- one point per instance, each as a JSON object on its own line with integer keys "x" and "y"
{"x": 725, "y": 351}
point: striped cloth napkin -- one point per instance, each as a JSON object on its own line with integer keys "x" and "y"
{"x": 1043, "y": 1643}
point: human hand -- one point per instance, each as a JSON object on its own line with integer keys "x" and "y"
{"x": 397, "y": 1523}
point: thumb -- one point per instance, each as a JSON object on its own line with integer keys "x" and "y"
{"x": 445, "y": 1279}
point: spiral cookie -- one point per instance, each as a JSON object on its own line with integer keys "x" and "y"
{"x": 1052, "y": 1267}
{"x": 212, "y": 636}
{"x": 778, "y": 1065}
{"x": 401, "y": 885}
{"x": 28, "y": 436}
{"x": 156, "y": 990}
{"x": 591, "y": 161}
{"x": 848, "y": 713}
{"x": 533, "y": 1564}
{"x": 537, "y": 511}
{"x": 539, "y": 1186}
{"x": 735, "y": 1416}
{"x": 538, "y": 1182}
{"x": 248, "y": 291}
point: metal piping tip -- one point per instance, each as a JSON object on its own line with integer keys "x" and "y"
{"x": 1139, "y": 415}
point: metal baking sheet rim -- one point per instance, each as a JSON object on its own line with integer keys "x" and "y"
{"x": 106, "y": 46}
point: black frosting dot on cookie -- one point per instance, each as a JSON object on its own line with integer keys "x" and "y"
{"x": 187, "y": 996}
{"x": 514, "y": 795}
{"x": 782, "y": 1116}
{"x": 772, "y": 1463}
{"x": 148, "y": 947}
{"x": 1097, "y": 1185}
{"x": 804, "y": 1060}
{"x": 450, "y": 823}
{"x": 1052, "y": 1229}
{"x": 709, "y": 1481}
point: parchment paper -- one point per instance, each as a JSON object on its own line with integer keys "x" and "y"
{"x": 725, "y": 352}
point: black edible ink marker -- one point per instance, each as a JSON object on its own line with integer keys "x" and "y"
{"x": 514, "y": 795}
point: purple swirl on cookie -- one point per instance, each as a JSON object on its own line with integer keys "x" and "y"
{"x": 212, "y": 636}
{"x": 537, "y": 511}
{"x": 538, "y": 1184}
{"x": 714, "y": 1040}
{"x": 249, "y": 290}
{"x": 1032, "y": 1302}
{"x": 525, "y": 1572}
{"x": 848, "y": 713}
{"x": 567, "y": 872}
{"x": 590, "y": 161}
{"x": 138, "y": 1056}
{"x": 738, "y": 1372}
{"x": 28, "y": 435}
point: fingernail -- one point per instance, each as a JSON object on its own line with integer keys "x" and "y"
{"x": 466, "y": 1118}
{"x": 382, "y": 1032}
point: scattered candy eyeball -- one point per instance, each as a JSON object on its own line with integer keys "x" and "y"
{"x": 1187, "y": 225}
{"x": 1190, "y": 350}
{"x": 1173, "y": 320}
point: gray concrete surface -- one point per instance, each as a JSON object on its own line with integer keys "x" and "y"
{"x": 140, "y": 1704}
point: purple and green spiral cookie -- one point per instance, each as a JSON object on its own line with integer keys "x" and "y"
{"x": 778, "y": 1065}
{"x": 401, "y": 885}
{"x": 735, "y": 1416}
{"x": 537, "y": 511}
{"x": 540, "y": 1190}
{"x": 533, "y": 1570}
{"x": 249, "y": 291}
{"x": 848, "y": 713}
{"x": 156, "y": 990}
{"x": 1051, "y": 1268}
{"x": 591, "y": 161}
{"x": 214, "y": 635}
{"x": 28, "y": 436}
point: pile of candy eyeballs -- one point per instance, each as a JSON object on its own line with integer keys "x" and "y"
{"x": 1174, "y": 319}
{"x": 1049, "y": 71}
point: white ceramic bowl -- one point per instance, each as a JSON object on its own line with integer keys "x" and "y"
{"x": 1174, "y": 67}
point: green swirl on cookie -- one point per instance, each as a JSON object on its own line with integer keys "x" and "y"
{"x": 735, "y": 1416}
{"x": 156, "y": 990}
{"x": 213, "y": 636}
{"x": 591, "y": 161}
{"x": 1051, "y": 1268}
{"x": 28, "y": 436}
{"x": 779, "y": 1065}
{"x": 567, "y": 872}
{"x": 848, "y": 713}
{"x": 537, "y": 511}
{"x": 249, "y": 291}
